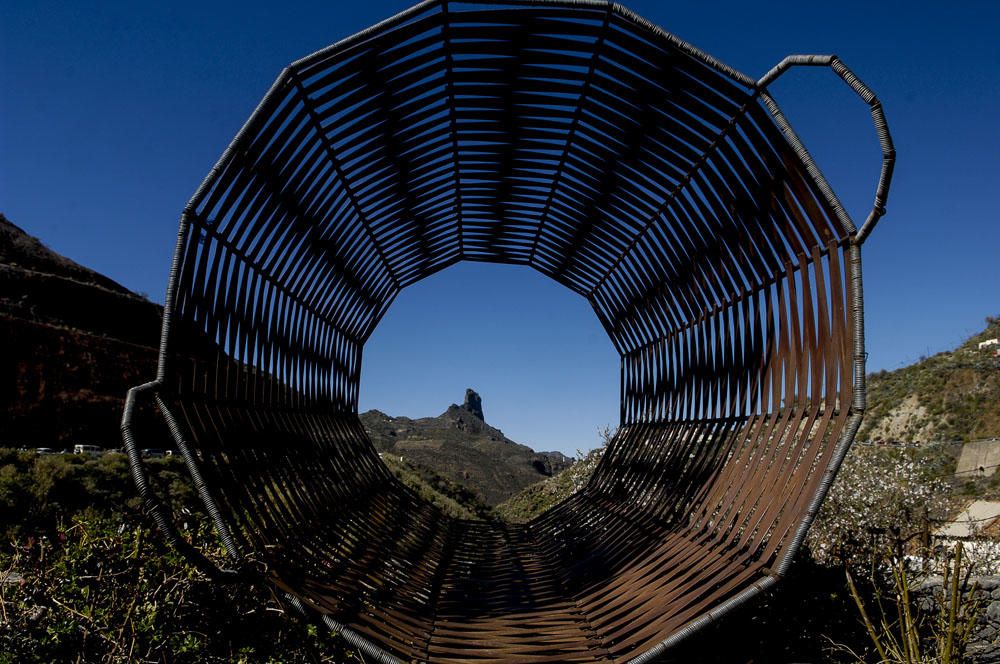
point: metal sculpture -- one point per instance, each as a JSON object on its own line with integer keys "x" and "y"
{"x": 576, "y": 138}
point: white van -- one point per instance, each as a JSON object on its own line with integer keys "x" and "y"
{"x": 87, "y": 449}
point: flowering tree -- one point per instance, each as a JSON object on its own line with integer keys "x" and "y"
{"x": 882, "y": 499}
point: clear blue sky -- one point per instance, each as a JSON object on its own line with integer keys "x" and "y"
{"x": 111, "y": 113}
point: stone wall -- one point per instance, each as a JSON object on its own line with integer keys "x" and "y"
{"x": 985, "y": 644}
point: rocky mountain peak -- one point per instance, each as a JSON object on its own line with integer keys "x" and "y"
{"x": 461, "y": 447}
{"x": 473, "y": 403}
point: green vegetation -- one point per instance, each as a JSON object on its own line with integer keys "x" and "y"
{"x": 83, "y": 577}
{"x": 542, "y": 496}
{"x": 954, "y": 395}
{"x": 450, "y": 497}
{"x": 39, "y": 494}
{"x": 96, "y": 584}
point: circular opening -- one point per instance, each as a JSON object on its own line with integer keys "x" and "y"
{"x": 531, "y": 350}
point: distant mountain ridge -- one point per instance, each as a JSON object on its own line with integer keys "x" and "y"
{"x": 950, "y": 396}
{"x": 20, "y": 250}
{"x": 460, "y": 446}
{"x": 73, "y": 342}
{"x": 41, "y": 286}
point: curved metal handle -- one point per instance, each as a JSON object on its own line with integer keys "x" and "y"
{"x": 160, "y": 512}
{"x": 878, "y": 117}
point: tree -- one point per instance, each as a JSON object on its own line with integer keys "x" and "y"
{"x": 883, "y": 499}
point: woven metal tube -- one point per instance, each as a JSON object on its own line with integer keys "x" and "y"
{"x": 576, "y": 138}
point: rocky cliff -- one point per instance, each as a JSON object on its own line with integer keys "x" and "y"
{"x": 460, "y": 446}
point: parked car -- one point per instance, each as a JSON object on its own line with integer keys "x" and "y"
{"x": 153, "y": 453}
{"x": 87, "y": 449}
{"x": 45, "y": 450}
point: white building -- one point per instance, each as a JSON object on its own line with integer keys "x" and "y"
{"x": 976, "y": 528}
{"x": 976, "y": 519}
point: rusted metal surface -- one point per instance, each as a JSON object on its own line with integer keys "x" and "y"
{"x": 575, "y": 138}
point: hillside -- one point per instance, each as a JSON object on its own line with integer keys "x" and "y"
{"x": 73, "y": 342}
{"x": 460, "y": 446}
{"x": 951, "y": 396}
{"x": 452, "y": 498}
{"x": 538, "y": 498}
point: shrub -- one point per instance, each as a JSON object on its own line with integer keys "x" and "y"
{"x": 83, "y": 577}
{"x": 106, "y": 590}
